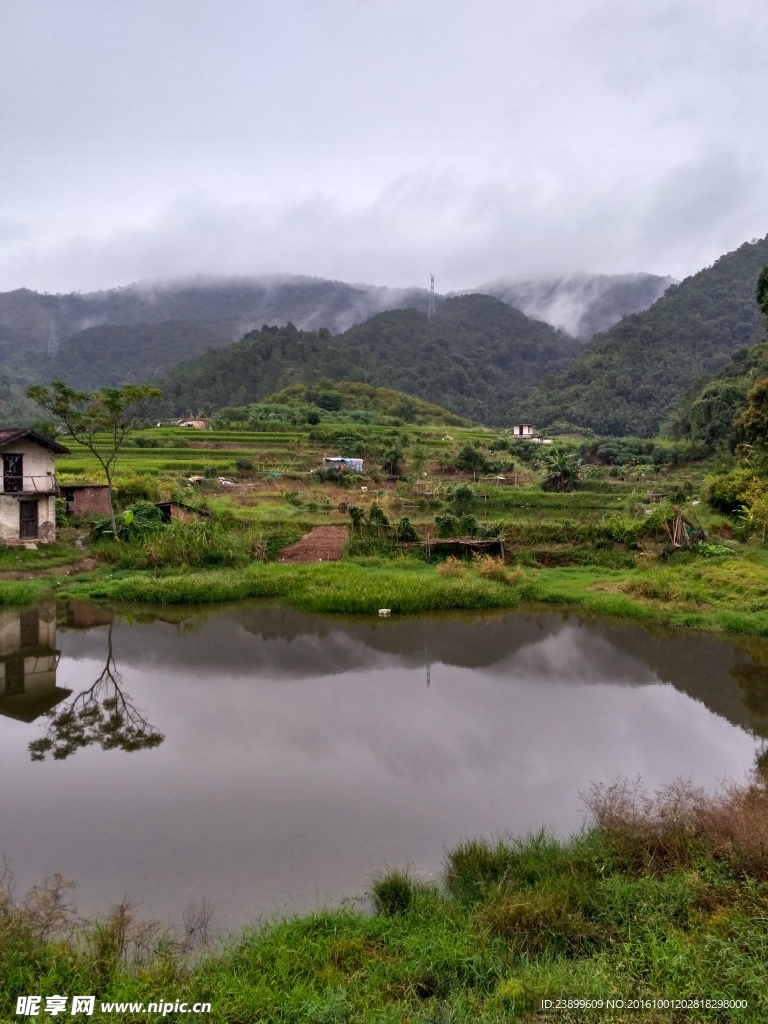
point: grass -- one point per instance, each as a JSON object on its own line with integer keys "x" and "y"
{"x": 718, "y": 594}
{"x": 662, "y": 897}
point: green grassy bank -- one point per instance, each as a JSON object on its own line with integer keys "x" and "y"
{"x": 720, "y": 594}
{"x": 661, "y": 899}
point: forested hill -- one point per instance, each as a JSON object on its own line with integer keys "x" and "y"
{"x": 477, "y": 357}
{"x": 629, "y": 380}
{"x": 707, "y": 411}
{"x": 122, "y": 334}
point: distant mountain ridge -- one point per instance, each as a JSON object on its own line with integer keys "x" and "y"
{"x": 125, "y": 333}
{"x": 477, "y": 357}
{"x": 107, "y": 337}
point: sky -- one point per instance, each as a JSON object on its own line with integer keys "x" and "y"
{"x": 377, "y": 141}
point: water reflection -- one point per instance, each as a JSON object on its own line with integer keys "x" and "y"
{"x": 28, "y": 662}
{"x": 102, "y": 714}
{"x": 303, "y": 752}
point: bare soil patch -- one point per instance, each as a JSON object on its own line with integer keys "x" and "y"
{"x": 84, "y": 565}
{"x": 323, "y": 544}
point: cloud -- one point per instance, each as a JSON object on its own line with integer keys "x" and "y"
{"x": 379, "y": 141}
{"x": 464, "y": 233}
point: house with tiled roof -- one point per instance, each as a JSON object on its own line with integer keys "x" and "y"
{"x": 28, "y": 493}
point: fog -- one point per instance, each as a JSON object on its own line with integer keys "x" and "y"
{"x": 378, "y": 141}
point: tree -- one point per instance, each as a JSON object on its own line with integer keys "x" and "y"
{"x": 761, "y": 291}
{"x": 113, "y": 412}
{"x": 391, "y": 459}
{"x": 471, "y": 460}
{"x": 753, "y": 422}
{"x": 418, "y": 458}
{"x": 561, "y": 469}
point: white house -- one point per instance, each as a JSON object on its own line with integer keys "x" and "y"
{"x": 526, "y": 431}
{"x": 28, "y": 493}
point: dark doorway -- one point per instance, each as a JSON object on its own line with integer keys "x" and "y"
{"x": 13, "y": 473}
{"x": 14, "y": 677}
{"x": 28, "y": 523}
{"x": 29, "y": 624}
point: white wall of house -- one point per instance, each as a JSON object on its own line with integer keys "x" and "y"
{"x": 10, "y": 523}
{"x": 39, "y": 464}
{"x": 38, "y": 468}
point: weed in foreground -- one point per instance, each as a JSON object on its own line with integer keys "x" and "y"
{"x": 451, "y": 568}
{"x": 393, "y": 891}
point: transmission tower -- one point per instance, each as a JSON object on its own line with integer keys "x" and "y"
{"x": 53, "y": 341}
{"x": 431, "y": 307}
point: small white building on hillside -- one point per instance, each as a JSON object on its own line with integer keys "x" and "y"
{"x": 28, "y": 493}
{"x": 526, "y": 431}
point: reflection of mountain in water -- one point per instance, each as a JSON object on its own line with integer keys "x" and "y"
{"x": 28, "y": 662}
{"x": 279, "y": 643}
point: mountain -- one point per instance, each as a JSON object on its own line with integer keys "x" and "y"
{"x": 122, "y": 334}
{"x": 581, "y": 304}
{"x": 628, "y": 380}
{"x": 477, "y": 357}
{"x": 111, "y": 336}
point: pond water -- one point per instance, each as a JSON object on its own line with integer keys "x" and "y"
{"x": 270, "y": 760}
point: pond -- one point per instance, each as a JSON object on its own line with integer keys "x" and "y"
{"x": 270, "y": 761}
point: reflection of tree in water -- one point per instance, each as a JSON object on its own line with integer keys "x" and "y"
{"x": 752, "y": 679}
{"x": 102, "y": 714}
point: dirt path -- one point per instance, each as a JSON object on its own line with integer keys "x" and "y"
{"x": 57, "y": 570}
{"x": 323, "y": 544}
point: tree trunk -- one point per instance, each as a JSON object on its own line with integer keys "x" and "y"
{"x": 112, "y": 519}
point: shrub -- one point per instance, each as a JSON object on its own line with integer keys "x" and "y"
{"x": 406, "y": 532}
{"x": 244, "y": 464}
{"x": 463, "y": 495}
{"x": 377, "y": 516}
{"x": 137, "y": 522}
{"x": 61, "y": 512}
{"x": 669, "y": 830}
{"x": 451, "y": 567}
{"x": 727, "y": 492}
{"x": 491, "y": 568}
{"x": 447, "y": 525}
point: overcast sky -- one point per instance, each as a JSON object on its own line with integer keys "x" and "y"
{"x": 377, "y": 140}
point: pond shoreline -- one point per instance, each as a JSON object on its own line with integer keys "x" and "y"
{"x": 715, "y": 595}
{"x": 648, "y": 916}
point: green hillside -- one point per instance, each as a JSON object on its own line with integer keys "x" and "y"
{"x": 630, "y": 379}
{"x": 380, "y": 401}
{"x": 117, "y": 335}
{"x": 477, "y": 357}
